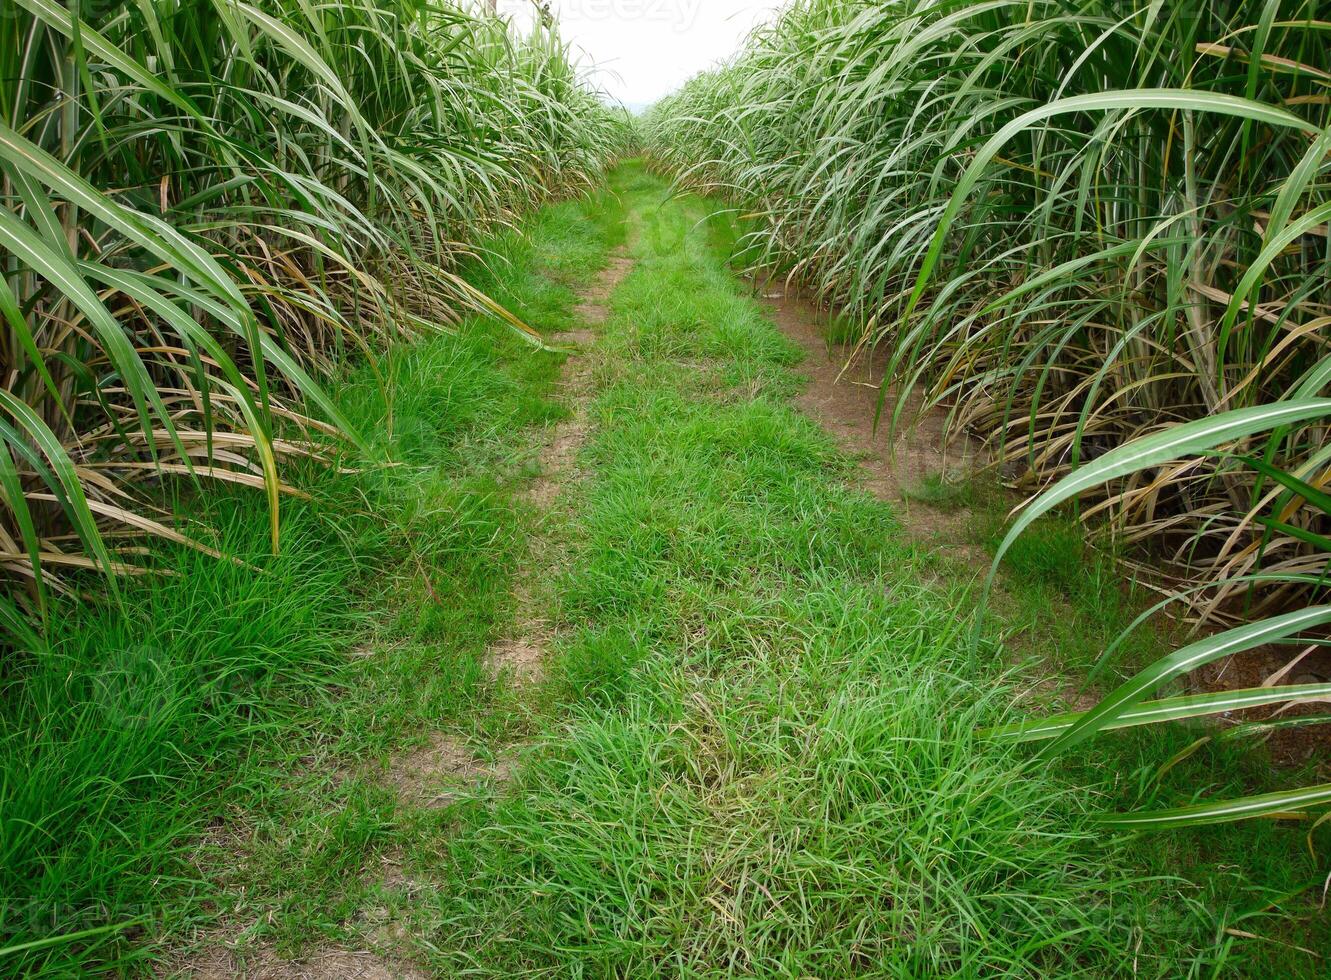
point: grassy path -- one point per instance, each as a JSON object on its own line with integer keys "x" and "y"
{"x": 701, "y": 706}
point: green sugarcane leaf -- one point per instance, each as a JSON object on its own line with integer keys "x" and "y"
{"x": 1319, "y": 541}
{"x": 1164, "y": 710}
{"x": 1224, "y": 811}
{"x": 1190, "y": 438}
{"x": 75, "y": 502}
{"x": 1204, "y": 651}
{"x": 1127, "y": 100}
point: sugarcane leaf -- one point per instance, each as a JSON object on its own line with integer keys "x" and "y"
{"x": 1222, "y": 811}
{"x": 1189, "y": 438}
{"x": 1178, "y": 708}
{"x": 1204, "y": 651}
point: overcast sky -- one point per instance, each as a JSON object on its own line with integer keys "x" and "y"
{"x": 644, "y": 49}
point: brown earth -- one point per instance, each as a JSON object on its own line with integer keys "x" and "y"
{"x": 843, "y": 396}
{"x": 520, "y": 655}
{"x": 1268, "y": 666}
{"x": 436, "y": 774}
{"x": 264, "y": 964}
{"x": 594, "y": 307}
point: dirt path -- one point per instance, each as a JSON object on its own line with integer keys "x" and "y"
{"x": 446, "y": 768}
{"x": 522, "y": 653}
{"x": 559, "y": 453}
{"x": 221, "y": 964}
{"x": 843, "y": 401}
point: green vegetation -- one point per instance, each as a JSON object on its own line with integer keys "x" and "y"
{"x": 1099, "y": 237}
{"x": 771, "y": 762}
{"x": 207, "y": 207}
{"x": 220, "y": 699}
{"x": 1073, "y": 222}
{"x": 296, "y": 473}
{"x": 758, "y": 747}
{"x": 1126, "y": 705}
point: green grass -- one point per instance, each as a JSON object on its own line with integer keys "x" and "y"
{"x": 942, "y": 494}
{"x": 761, "y": 755}
{"x": 222, "y": 700}
{"x": 726, "y": 792}
{"x": 1072, "y": 591}
{"x": 756, "y": 750}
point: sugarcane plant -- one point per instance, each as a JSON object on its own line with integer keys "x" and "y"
{"x": 1096, "y": 234}
{"x": 208, "y": 206}
{"x": 1126, "y": 705}
{"x": 1120, "y": 212}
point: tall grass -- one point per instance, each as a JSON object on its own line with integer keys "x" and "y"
{"x": 207, "y": 205}
{"x": 765, "y": 761}
{"x": 150, "y": 753}
{"x": 1098, "y": 234}
{"x": 1074, "y": 222}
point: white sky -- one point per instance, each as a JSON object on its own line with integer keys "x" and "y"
{"x": 644, "y": 49}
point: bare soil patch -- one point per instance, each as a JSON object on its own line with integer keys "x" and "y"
{"x": 557, "y": 458}
{"x": 560, "y": 452}
{"x": 1272, "y": 665}
{"x": 521, "y": 659}
{"x": 327, "y": 964}
{"x": 437, "y": 773}
{"x": 520, "y": 656}
{"x": 842, "y": 396}
{"x": 594, "y": 307}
